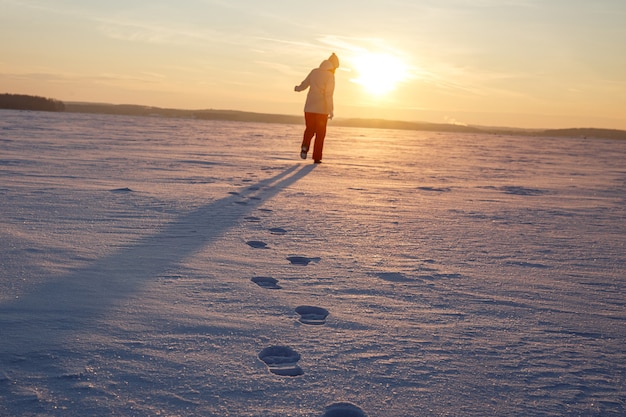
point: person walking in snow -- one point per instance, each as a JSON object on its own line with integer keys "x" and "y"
{"x": 318, "y": 107}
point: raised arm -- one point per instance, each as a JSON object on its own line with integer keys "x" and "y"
{"x": 304, "y": 84}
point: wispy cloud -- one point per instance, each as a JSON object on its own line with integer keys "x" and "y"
{"x": 278, "y": 67}
{"x": 110, "y": 78}
{"x": 143, "y": 31}
{"x": 132, "y": 26}
{"x": 36, "y": 76}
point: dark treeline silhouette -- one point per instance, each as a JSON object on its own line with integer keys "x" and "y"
{"x": 242, "y": 116}
{"x": 25, "y": 102}
{"x": 401, "y": 125}
{"x": 588, "y": 133}
{"x": 210, "y": 114}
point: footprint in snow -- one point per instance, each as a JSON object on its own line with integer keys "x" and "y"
{"x": 122, "y": 190}
{"x": 257, "y": 244}
{"x": 301, "y": 260}
{"x": 281, "y": 360}
{"x": 343, "y": 410}
{"x": 393, "y": 277}
{"x": 312, "y": 315}
{"x": 277, "y": 231}
{"x": 526, "y": 264}
{"x": 266, "y": 282}
{"x": 521, "y": 191}
{"x": 435, "y": 189}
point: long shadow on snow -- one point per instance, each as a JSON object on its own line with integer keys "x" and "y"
{"x": 53, "y": 313}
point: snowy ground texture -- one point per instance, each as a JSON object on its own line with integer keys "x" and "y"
{"x": 160, "y": 267}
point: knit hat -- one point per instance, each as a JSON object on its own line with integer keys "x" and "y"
{"x": 334, "y": 60}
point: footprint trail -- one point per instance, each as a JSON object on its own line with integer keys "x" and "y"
{"x": 301, "y": 260}
{"x": 257, "y": 244}
{"x": 312, "y": 315}
{"x": 281, "y": 360}
{"x": 266, "y": 282}
{"x": 343, "y": 410}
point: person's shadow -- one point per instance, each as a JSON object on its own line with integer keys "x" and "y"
{"x": 52, "y": 314}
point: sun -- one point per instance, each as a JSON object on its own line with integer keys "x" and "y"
{"x": 379, "y": 73}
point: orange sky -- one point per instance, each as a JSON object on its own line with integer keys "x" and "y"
{"x": 521, "y": 63}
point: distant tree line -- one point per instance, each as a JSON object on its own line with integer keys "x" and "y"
{"x": 25, "y": 102}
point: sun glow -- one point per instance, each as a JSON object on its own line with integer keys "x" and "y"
{"x": 379, "y": 73}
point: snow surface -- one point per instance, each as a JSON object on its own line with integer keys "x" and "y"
{"x": 147, "y": 263}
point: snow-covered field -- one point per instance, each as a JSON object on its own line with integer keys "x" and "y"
{"x": 151, "y": 267}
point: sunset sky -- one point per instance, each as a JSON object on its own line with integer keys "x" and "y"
{"x": 520, "y": 63}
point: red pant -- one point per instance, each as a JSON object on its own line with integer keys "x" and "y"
{"x": 315, "y": 126}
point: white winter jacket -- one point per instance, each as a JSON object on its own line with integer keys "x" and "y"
{"x": 321, "y": 84}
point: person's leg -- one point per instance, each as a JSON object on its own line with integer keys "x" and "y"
{"x": 320, "y": 134}
{"x": 309, "y": 130}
